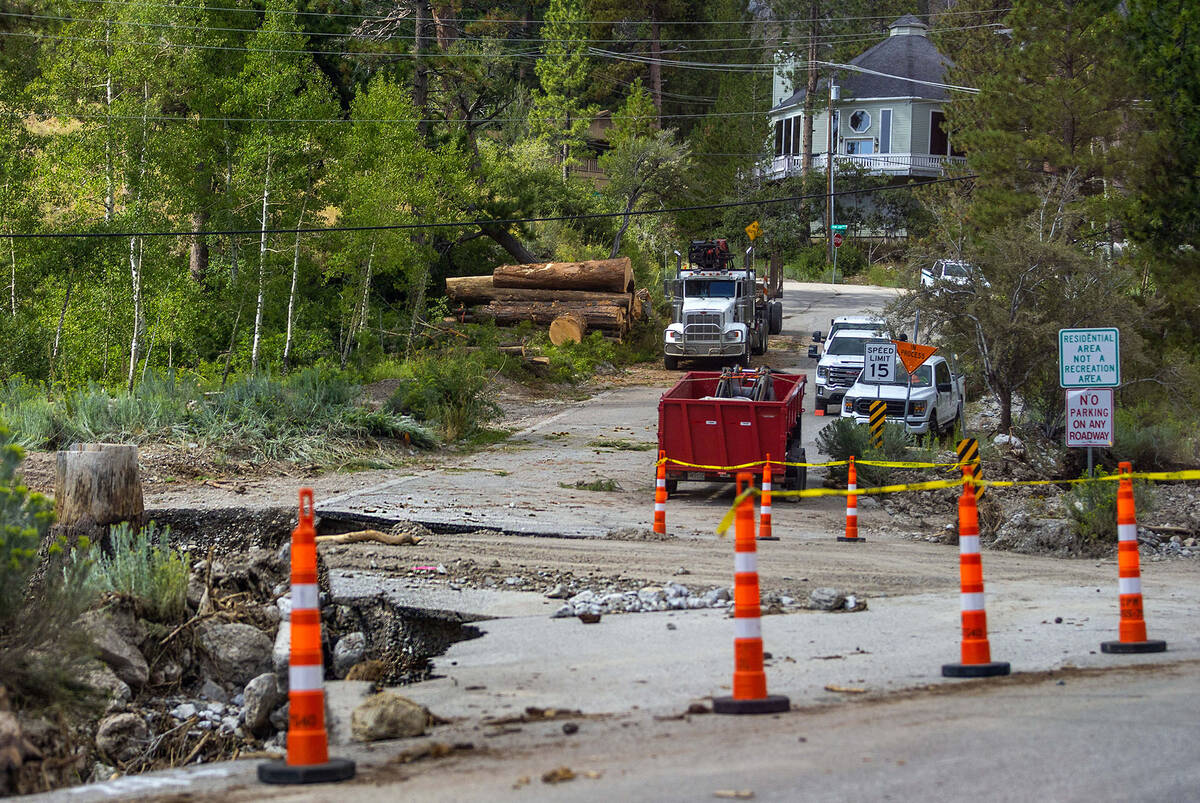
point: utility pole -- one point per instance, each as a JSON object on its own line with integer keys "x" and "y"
{"x": 834, "y": 94}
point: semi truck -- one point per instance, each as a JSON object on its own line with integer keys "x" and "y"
{"x": 718, "y": 310}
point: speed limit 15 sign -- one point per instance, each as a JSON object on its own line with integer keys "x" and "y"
{"x": 880, "y": 365}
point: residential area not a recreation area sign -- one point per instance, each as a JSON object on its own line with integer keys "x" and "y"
{"x": 1089, "y": 358}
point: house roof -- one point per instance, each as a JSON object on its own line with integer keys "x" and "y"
{"x": 907, "y": 52}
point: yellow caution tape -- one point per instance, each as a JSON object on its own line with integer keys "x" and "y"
{"x": 755, "y": 464}
{"x": 1160, "y": 476}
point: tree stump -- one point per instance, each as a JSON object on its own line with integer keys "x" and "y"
{"x": 567, "y": 328}
{"x": 96, "y": 485}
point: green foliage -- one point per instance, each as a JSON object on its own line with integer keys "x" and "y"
{"x": 40, "y": 647}
{"x": 1092, "y": 507}
{"x": 843, "y": 438}
{"x": 809, "y": 265}
{"x": 606, "y": 485}
{"x": 445, "y": 389}
{"x": 142, "y": 564}
{"x": 572, "y": 362}
{"x": 1153, "y": 438}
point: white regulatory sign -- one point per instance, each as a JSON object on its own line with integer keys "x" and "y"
{"x": 1089, "y": 358}
{"x": 880, "y": 367}
{"x": 1090, "y": 417}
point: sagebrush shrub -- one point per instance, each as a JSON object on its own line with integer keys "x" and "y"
{"x": 844, "y": 437}
{"x": 143, "y": 565}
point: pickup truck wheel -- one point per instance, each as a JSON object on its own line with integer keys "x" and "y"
{"x": 672, "y": 487}
{"x": 670, "y": 361}
{"x": 775, "y": 317}
{"x": 795, "y": 478}
{"x": 935, "y": 432}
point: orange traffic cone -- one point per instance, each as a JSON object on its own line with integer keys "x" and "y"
{"x": 1132, "y": 628}
{"x": 764, "y": 510}
{"x": 851, "y": 506}
{"x": 308, "y": 758}
{"x": 660, "y": 495}
{"x": 976, "y": 651}
{"x": 749, "y": 678}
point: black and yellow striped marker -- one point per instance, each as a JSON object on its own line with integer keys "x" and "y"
{"x": 968, "y": 452}
{"x": 877, "y": 419}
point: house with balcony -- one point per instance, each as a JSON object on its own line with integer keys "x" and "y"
{"x": 889, "y": 116}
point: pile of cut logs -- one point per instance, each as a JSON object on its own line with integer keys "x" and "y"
{"x": 572, "y": 298}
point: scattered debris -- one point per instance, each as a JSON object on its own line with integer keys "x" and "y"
{"x": 734, "y": 794}
{"x": 558, "y": 775}
{"x": 845, "y": 689}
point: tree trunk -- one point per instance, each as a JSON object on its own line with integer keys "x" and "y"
{"x": 810, "y": 92}
{"x": 198, "y": 257}
{"x": 1005, "y": 395}
{"x": 96, "y": 485}
{"x": 420, "y": 68}
{"x": 291, "y": 308}
{"x": 611, "y": 275}
{"x": 656, "y": 79}
{"x": 505, "y": 239}
{"x": 12, "y": 244}
{"x": 262, "y": 270}
{"x": 62, "y": 317}
{"x": 607, "y": 318}
{"x": 567, "y": 328}
{"x": 135, "y": 342}
{"x": 471, "y": 290}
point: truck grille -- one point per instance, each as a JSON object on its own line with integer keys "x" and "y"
{"x": 704, "y": 327}
{"x": 843, "y": 377}
{"x": 895, "y": 409}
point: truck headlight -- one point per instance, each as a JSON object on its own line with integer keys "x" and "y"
{"x": 916, "y": 408}
{"x": 822, "y": 371}
{"x": 848, "y": 405}
{"x": 672, "y": 335}
{"x": 734, "y": 335}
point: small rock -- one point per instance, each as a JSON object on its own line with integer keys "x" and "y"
{"x": 564, "y": 612}
{"x": 348, "y": 651}
{"x": 212, "y": 690}
{"x": 183, "y": 711}
{"x": 513, "y": 581}
{"x": 100, "y": 677}
{"x": 388, "y": 715}
{"x": 279, "y": 718}
{"x": 558, "y": 592}
{"x": 262, "y": 695}
{"x": 569, "y": 728}
{"x": 122, "y": 737}
{"x": 101, "y": 772}
{"x": 280, "y": 652}
{"x": 583, "y": 597}
{"x": 166, "y": 672}
{"x": 115, "y": 648}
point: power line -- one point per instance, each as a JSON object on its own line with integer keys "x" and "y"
{"x": 473, "y": 223}
{"x": 469, "y": 21}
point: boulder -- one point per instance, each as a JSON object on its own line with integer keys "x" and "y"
{"x": 115, "y": 648}
{"x": 388, "y": 715}
{"x": 104, "y": 681}
{"x": 261, "y": 696}
{"x": 236, "y": 652}
{"x": 122, "y": 737}
{"x": 348, "y": 651}
{"x": 826, "y": 599}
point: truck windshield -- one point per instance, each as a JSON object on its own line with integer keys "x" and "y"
{"x": 709, "y": 288}
{"x": 847, "y": 346}
{"x": 921, "y": 379}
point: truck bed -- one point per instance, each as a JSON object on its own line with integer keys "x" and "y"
{"x": 695, "y": 427}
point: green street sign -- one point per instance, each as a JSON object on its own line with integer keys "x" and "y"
{"x": 839, "y": 227}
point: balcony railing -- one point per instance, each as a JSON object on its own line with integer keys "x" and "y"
{"x": 906, "y": 164}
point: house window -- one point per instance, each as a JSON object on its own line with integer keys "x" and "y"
{"x": 797, "y": 135}
{"x": 779, "y": 137}
{"x": 885, "y": 131}
{"x": 860, "y": 146}
{"x": 860, "y": 121}
{"x": 939, "y": 142}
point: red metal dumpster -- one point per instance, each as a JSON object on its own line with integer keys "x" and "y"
{"x": 702, "y": 424}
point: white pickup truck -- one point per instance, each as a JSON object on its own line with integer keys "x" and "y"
{"x": 841, "y": 364}
{"x": 935, "y": 403}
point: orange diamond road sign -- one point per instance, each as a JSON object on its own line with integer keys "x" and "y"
{"x": 753, "y": 231}
{"x": 913, "y": 355}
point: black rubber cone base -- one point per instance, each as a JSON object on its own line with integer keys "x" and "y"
{"x": 768, "y": 538}
{"x": 990, "y": 669}
{"x": 1128, "y": 647}
{"x": 336, "y": 769}
{"x": 771, "y": 704}
{"x": 846, "y": 540}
